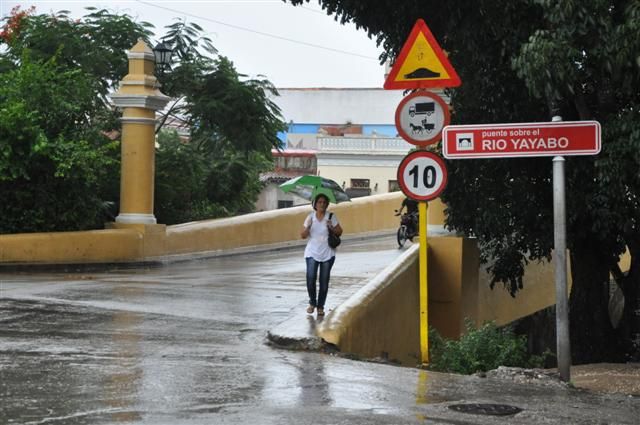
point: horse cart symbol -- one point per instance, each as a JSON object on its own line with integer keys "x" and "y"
{"x": 429, "y": 126}
{"x": 419, "y": 129}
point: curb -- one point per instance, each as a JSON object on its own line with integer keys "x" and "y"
{"x": 296, "y": 344}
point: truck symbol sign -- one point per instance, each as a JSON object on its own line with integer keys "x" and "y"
{"x": 421, "y": 108}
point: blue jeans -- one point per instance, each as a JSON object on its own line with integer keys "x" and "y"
{"x": 312, "y": 274}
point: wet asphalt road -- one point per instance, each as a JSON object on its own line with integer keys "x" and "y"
{"x": 185, "y": 344}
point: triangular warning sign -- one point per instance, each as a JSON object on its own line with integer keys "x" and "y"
{"x": 421, "y": 63}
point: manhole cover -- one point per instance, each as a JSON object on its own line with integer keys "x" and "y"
{"x": 486, "y": 409}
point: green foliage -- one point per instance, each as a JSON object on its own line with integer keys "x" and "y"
{"x": 223, "y": 109}
{"x": 96, "y": 44}
{"x": 209, "y": 185}
{"x": 178, "y": 194}
{"x": 223, "y": 91}
{"x": 69, "y": 167}
{"x": 48, "y": 148}
{"x": 480, "y": 350}
{"x": 20, "y": 139}
{"x": 232, "y": 125}
{"x": 58, "y": 171}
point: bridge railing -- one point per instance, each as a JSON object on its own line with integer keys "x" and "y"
{"x": 395, "y": 145}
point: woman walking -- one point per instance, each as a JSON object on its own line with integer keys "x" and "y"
{"x": 318, "y": 254}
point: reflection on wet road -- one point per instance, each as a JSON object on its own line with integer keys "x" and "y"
{"x": 174, "y": 344}
{"x": 185, "y": 344}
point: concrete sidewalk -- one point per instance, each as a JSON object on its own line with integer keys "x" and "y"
{"x": 298, "y": 332}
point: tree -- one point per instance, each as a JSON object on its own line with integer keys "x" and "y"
{"x": 232, "y": 125}
{"x": 209, "y": 184}
{"x": 56, "y": 76}
{"x": 96, "y": 43}
{"x": 58, "y": 170}
{"x": 523, "y": 61}
{"x": 218, "y": 104}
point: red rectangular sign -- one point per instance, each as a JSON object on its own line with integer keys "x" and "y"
{"x": 561, "y": 138}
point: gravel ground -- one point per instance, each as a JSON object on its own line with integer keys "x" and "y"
{"x": 615, "y": 378}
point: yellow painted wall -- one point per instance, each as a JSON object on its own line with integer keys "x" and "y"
{"x": 382, "y": 319}
{"x": 72, "y": 247}
{"x": 453, "y": 283}
{"x": 367, "y": 214}
{"x": 538, "y": 292}
{"x": 137, "y": 242}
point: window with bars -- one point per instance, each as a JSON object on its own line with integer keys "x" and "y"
{"x": 360, "y": 183}
{"x": 285, "y": 204}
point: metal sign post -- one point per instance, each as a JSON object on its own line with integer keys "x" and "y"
{"x": 423, "y": 176}
{"x": 556, "y": 139}
{"x": 563, "y": 345}
{"x": 424, "y": 287}
{"x": 420, "y": 118}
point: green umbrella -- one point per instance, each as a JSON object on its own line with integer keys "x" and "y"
{"x": 308, "y": 187}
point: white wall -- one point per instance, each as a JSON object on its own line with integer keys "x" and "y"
{"x": 271, "y": 194}
{"x": 376, "y": 175}
{"x": 359, "y": 106}
{"x": 347, "y": 159}
{"x": 338, "y": 106}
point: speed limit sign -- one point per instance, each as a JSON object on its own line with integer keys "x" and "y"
{"x": 422, "y": 175}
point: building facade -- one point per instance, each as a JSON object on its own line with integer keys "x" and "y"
{"x": 352, "y": 133}
{"x": 288, "y": 164}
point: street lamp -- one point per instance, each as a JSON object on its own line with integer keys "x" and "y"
{"x": 162, "y": 54}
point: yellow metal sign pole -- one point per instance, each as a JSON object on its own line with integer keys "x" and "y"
{"x": 424, "y": 312}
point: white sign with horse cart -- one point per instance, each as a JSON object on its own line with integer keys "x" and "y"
{"x": 420, "y": 117}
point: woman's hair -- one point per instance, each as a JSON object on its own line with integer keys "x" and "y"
{"x": 320, "y": 195}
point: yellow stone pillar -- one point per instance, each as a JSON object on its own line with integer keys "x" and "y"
{"x": 140, "y": 98}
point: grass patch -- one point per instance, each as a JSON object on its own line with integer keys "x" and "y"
{"x": 480, "y": 350}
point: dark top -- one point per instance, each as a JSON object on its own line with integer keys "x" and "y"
{"x": 411, "y": 205}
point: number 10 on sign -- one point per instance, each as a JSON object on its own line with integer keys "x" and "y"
{"x": 422, "y": 175}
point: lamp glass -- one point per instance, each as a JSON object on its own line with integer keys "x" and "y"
{"x": 162, "y": 54}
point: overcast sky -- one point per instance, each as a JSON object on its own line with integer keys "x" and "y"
{"x": 291, "y": 46}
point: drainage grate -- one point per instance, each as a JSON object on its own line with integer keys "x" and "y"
{"x": 486, "y": 409}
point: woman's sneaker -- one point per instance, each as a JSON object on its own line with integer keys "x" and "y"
{"x": 310, "y": 309}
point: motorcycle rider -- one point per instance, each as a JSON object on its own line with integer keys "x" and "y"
{"x": 412, "y": 211}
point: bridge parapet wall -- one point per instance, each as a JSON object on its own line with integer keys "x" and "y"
{"x": 361, "y": 215}
{"x": 96, "y": 246}
{"x": 381, "y": 320}
{"x": 124, "y": 242}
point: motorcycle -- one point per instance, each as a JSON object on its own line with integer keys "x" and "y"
{"x": 408, "y": 227}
